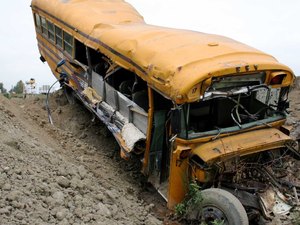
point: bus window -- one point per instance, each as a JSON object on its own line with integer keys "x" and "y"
{"x": 44, "y": 26}
{"x": 80, "y": 52}
{"x": 58, "y": 37}
{"x": 37, "y": 21}
{"x": 68, "y": 43}
{"x": 50, "y": 31}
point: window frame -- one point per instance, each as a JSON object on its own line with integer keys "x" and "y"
{"x": 58, "y": 36}
{"x": 44, "y": 28}
{"x": 37, "y": 21}
{"x": 51, "y": 33}
{"x": 67, "y": 46}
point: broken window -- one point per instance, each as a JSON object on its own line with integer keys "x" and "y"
{"x": 231, "y": 113}
{"x": 130, "y": 85}
{"x": 99, "y": 62}
{"x": 80, "y": 52}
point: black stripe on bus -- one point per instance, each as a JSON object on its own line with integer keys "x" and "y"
{"x": 41, "y": 44}
{"x": 94, "y": 40}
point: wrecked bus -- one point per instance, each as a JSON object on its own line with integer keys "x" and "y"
{"x": 193, "y": 107}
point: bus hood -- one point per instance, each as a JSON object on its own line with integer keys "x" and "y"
{"x": 241, "y": 144}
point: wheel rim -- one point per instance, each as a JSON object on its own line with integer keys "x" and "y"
{"x": 212, "y": 214}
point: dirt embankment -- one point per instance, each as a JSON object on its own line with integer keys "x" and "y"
{"x": 64, "y": 174}
{"x": 294, "y": 116}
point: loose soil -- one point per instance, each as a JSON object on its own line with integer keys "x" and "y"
{"x": 71, "y": 172}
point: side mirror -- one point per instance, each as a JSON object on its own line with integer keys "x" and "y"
{"x": 60, "y": 63}
{"x": 176, "y": 120}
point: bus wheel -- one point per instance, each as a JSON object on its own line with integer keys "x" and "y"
{"x": 221, "y": 207}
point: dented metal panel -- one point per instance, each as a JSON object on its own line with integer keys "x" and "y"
{"x": 172, "y": 61}
{"x": 241, "y": 144}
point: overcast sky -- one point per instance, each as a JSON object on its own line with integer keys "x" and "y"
{"x": 269, "y": 25}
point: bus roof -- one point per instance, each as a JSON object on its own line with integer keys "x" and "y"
{"x": 173, "y": 61}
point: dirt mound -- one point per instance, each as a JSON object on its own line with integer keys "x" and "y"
{"x": 294, "y": 116}
{"x": 49, "y": 176}
{"x": 297, "y": 83}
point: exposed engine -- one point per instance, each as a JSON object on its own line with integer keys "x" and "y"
{"x": 267, "y": 183}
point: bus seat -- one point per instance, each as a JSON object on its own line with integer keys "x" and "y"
{"x": 126, "y": 88}
{"x": 101, "y": 68}
{"x": 141, "y": 99}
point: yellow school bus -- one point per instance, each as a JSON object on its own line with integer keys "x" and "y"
{"x": 195, "y": 108}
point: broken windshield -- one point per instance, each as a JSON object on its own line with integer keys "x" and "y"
{"x": 225, "y": 111}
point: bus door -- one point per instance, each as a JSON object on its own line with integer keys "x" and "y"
{"x": 159, "y": 155}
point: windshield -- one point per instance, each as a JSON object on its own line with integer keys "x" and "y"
{"x": 229, "y": 111}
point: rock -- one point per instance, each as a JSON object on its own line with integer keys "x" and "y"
{"x": 78, "y": 212}
{"x": 82, "y": 172}
{"x": 112, "y": 194}
{"x": 40, "y": 214}
{"x": 13, "y": 196}
{"x": 76, "y": 183}
{"x": 151, "y": 220}
{"x": 62, "y": 172}
{"x": 3, "y": 178}
{"x": 114, "y": 210}
{"x": 17, "y": 205}
{"x": 72, "y": 171}
{"x": 290, "y": 121}
{"x": 36, "y": 99}
{"x": 20, "y": 215}
{"x": 64, "y": 222}
{"x": 5, "y": 210}
{"x": 42, "y": 123}
{"x": 61, "y": 214}
{"x": 42, "y": 188}
{"x": 100, "y": 197}
{"x": 87, "y": 218}
{"x": 58, "y": 198}
{"x": 103, "y": 210}
{"x": 83, "y": 136}
{"x": 71, "y": 205}
{"x": 149, "y": 207}
{"x": 59, "y": 111}
{"x": 78, "y": 145}
{"x": 63, "y": 182}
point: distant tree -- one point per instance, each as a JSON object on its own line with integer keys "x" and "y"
{"x": 2, "y": 89}
{"x": 19, "y": 88}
